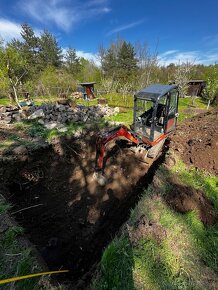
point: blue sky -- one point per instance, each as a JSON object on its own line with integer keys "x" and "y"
{"x": 182, "y": 30}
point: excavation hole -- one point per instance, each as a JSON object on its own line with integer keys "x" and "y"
{"x": 65, "y": 213}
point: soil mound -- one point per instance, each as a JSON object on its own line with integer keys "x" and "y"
{"x": 196, "y": 140}
{"x": 184, "y": 199}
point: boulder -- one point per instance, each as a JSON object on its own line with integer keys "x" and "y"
{"x": 37, "y": 114}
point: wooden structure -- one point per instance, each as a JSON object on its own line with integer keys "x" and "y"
{"x": 195, "y": 87}
{"x": 88, "y": 90}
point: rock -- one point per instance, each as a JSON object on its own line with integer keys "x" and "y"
{"x": 20, "y": 150}
{"x": 37, "y": 114}
{"x": 63, "y": 129}
{"x": 75, "y": 118}
{"x": 62, "y": 108}
{"x": 116, "y": 110}
{"x": 2, "y": 109}
{"x": 40, "y": 121}
{"x": 51, "y": 125}
{"x": 7, "y": 119}
{"x": 17, "y": 117}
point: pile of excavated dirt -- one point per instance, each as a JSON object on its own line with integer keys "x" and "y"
{"x": 196, "y": 141}
{"x": 185, "y": 199}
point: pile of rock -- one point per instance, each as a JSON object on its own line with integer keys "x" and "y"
{"x": 9, "y": 114}
{"x": 56, "y": 113}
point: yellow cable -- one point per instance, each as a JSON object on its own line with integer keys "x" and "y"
{"x": 30, "y": 276}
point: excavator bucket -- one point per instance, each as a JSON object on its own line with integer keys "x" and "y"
{"x": 100, "y": 178}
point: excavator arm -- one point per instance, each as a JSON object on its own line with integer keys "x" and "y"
{"x": 103, "y": 139}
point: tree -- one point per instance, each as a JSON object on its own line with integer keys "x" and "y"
{"x": 50, "y": 53}
{"x": 109, "y": 62}
{"x": 126, "y": 63}
{"x": 211, "y": 77}
{"x": 28, "y": 47}
{"x": 183, "y": 74}
{"x": 147, "y": 63}
{"x": 12, "y": 72}
{"x": 72, "y": 62}
{"x": 89, "y": 71}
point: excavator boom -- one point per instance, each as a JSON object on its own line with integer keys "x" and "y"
{"x": 104, "y": 138}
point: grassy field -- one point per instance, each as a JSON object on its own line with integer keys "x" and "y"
{"x": 178, "y": 253}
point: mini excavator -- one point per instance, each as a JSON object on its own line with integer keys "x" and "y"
{"x": 154, "y": 118}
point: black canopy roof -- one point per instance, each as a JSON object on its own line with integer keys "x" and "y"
{"x": 88, "y": 84}
{"x": 154, "y": 92}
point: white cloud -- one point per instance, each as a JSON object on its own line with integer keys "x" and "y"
{"x": 125, "y": 27}
{"x": 196, "y": 57}
{"x": 87, "y": 55}
{"x": 64, "y": 14}
{"x": 9, "y": 29}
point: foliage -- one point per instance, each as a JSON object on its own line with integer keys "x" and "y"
{"x": 72, "y": 62}
{"x": 50, "y": 53}
{"x": 119, "y": 62}
{"x": 211, "y": 76}
{"x": 28, "y": 48}
{"x": 37, "y": 65}
{"x": 12, "y": 72}
{"x": 55, "y": 82}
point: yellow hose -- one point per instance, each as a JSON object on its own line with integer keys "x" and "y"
{"x": 31, "y": 275}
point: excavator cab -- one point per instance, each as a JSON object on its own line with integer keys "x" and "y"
{"x": 155, "y": 111}
{"x": 155, "y": 116}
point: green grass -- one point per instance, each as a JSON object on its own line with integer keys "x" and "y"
{"x": 179, "y": 252}
{"x": 116, "y": 266}
{"x": 16, "y": 261}
{"x": 4, "y": 102}
{"x": 124, "y": 117}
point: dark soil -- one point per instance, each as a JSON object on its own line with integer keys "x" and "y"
{"x": 70, "y": 217}
{"x": 185, "y": 199}
{"x": 196, "y": 140}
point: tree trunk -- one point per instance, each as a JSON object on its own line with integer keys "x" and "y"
{"x": 15, "y": 97}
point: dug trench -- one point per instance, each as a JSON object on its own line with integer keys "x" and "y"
{"x": 66, "y": 214}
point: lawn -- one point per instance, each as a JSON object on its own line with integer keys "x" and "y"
{"x": 177, "y": 251}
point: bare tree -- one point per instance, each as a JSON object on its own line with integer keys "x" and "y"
{"x": 147, "y": 63}
{"x": 183, "y": 74}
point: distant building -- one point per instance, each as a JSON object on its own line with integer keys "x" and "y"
{"x": 88, "y": 90}
{"x": 195, "y": 87}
